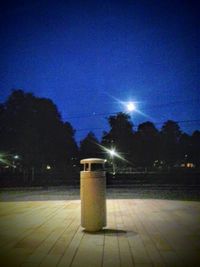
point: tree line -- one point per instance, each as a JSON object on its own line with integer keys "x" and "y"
{"x": 33, "y": 134}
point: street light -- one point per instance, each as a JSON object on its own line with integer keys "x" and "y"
{"x": 48, "y": 167}
{"x": 113, "y": 154}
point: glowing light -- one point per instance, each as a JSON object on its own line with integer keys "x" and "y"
{"x": 4, "y": 159}
{"x": 112, "y": 152}
{"x": 190, "y": 165}
{"x": 131, "y": 106}
{"x": 16, "y": 157}
{"x": 48, "y": 167}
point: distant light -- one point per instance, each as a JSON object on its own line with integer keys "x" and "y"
{"x": 131, "y": 106}
{"x": 16, "y": 157}
{"x": 4, "y": 159}
{"x": 48, "y": 167}
{"x": 112, "y": 152}
{"x": 190, "y": 165}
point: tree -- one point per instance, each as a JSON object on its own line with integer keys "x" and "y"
{"x": 120, "y": 135}
{"x": 147, "y": 144}
{"x": 185, "y": 148}
{"x": 195, "y": 143}
{"x": 170, "y": 136}
{"x": 32, "y": 128}
{"x": 89, "y": 147}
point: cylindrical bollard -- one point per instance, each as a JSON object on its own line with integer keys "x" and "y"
{"x": 93, "y": 195}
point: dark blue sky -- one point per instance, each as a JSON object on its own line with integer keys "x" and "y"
{"x": 86, "y": 54}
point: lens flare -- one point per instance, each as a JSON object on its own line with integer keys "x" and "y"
{"x": 131, "y": 106}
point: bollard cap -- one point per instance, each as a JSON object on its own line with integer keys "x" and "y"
{"x": 93, "y": 164}
{"x": 93, "y": 160}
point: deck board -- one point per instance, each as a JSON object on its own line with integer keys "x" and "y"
{"x": 139, "y": 233}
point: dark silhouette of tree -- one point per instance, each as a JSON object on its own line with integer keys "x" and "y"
{"x": 170, "y": 137}
{"x": 89, "y": 147}
{"x": 195, "y": 153}
{"x": 146, "y": 144}
{"x": 32, "y": 128}
{"x": 185, "y": 148}
{"x": 120, "y": 135}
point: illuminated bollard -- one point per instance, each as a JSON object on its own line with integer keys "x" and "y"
{"x": 93, "y": 194}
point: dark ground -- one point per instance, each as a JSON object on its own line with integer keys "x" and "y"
{"x": 173, "y": 192}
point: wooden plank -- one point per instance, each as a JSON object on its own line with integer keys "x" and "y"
{"x": 90, "y": 251}
{"x": 111, "y": 246}
{"x": 126, "y": 259}
{"x": 58, "y": 249}
{"x": 138, "y": 249}
{"x": 18, "y": 229}
{"x": 146, "y": 237}
{"x": 69, "y": 254}
{"x": 139, "y": 233}
{"x": 51, "y": 249}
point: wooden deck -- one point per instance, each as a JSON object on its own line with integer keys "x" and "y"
{"x": 139, "y": 232}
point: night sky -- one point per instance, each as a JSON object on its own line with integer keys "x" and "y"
{"x": 90, "y": 56}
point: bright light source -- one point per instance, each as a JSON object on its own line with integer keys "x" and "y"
{"x": 112, "y": 152}
{"x": 131, "y": 106}
{"x": 16, "y": 156}
{"x": 48, "y": 167}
